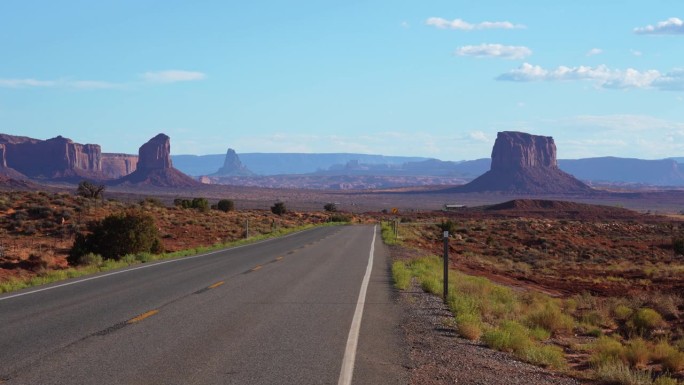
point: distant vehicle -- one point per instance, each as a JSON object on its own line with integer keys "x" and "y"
{"x": 448, "y": 207}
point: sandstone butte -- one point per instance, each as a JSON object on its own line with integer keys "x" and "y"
{"x": 525, "y": 164}
{"x": 60, "y": 158}
{"x": 232, "y": 166}
{"x": 154, "y": 167}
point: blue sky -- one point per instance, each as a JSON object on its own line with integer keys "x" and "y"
{"x": 396, "y": 77}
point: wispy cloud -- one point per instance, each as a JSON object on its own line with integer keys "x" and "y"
{"x": 173, "y": 76}
{"x": 602, "y": 75}
{"x": 635, "y": 52}
{"x": 462, "y": 25}
{"x": 625, "y": 135}
{"x": 594, "y": 52}
{"x": 59, "y": 83}
{"x": 495, "y": 50}
{"x": 671, "y": 26}
{"x": 159, "y": 77}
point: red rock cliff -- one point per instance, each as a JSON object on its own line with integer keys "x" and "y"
{"x": 53, "y": 158}
{"x": 518, "y": 150}
{"x": 155, "y": 154}
{"x": 118, "y": 165}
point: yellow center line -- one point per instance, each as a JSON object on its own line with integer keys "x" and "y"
{"x": 142, "y": 316}
{"x": 257, "y": 267}
{"x": 217, "y": 284}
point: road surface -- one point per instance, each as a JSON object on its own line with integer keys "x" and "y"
{"x": 276, "y": 312}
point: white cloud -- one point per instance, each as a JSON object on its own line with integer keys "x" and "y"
{"x": 671, "y": 81}
{"x": 602, "y": 75}
{"x": 671, "y": 26}
{"x": 405, "y": 24}
{"x": 624, "y": 135}
{"x": 594, "y": 52}
{"x": 462, "y": 25}
{"x": 173, "y": 76}
{"x": 59, "y": 83}
{"x": 495, "y": 50}
{"x": 636, "y": 53}
{"x": 159, "y": 77}
{"x": 479, "y": 136}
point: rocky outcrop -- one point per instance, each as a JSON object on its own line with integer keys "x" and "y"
{"x": 154, "y": 167}
{"x": 232, "y": 166}
{"x": 155, "y": 154}
{"x": 118, "y": 165}
{"x": 525, "y": 164}
{"x": 518, "y": 150}
{"x": 56, "y": 158}
{"x": 5, "y": 170}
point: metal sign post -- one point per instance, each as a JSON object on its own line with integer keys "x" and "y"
{"x": 446, "y": 265}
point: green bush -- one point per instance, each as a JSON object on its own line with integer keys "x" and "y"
{"x": 401, "y": 275}
{"x": 279, "y": 208}
{"x": 606, "y": 351}
{"x": 90, "y": 259}
{"x": 340, "y": 218}
{"x": 117, "y": 235}
{"x": 225, "y": 205}
{"x": 202, "y": 204}
{"x": 644, "y": 321}
{"x": 330, "y": 207}
{"x": 550, "y": 317}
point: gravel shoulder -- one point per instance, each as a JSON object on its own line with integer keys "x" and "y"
{"x": 438, "y": 356}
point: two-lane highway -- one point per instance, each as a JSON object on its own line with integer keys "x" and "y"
{"x": 276, "y": 312}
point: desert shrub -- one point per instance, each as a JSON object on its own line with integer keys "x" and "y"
{"x": 401, "y": 275}
{"x": 340, "y": 218}
{"x": 544, "y": 355}
{"x": 644, "y": 321}
{"x": 510, "y": 336}
{"x": 279, "y": 208}
{"x": 225, "y": 205}
{"x": 661, "y": 350}
{"x": 637, "y": 352}
{"x": 447, "y": 225}
{"x": 673, "y": 362}
{"x": 678, "y": 245}
{"x": 622, "y": 312}
{"x": 469, "y": 326}
{"x": 150, "y": 201}
{"x": 39, "y": 212}
{"x": 89, "y": 259}
{"x": 617, "y": 372}
{"x": 550, "y": 317}
{"x": 87, "y": 189}
{"x": 201, "y": 204}
{"x": 605, "y": 351}
{"x": 330, "y": 207}
{"x": 665, "y": 380}
{"x": 116, "y": 236}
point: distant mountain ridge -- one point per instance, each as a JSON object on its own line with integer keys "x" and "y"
{"x": 282, "y": 163}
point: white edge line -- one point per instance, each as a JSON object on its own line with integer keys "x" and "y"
{"x": 347, "y": 370}
{"x": 126, "y": 270}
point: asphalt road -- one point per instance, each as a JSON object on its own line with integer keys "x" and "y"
{"x": 276, "y": 312}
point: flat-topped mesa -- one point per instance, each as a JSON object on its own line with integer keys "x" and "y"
{"x": 155, "y": 154}
{"x": 118, "y": 165}
{"x": 518, "y": 150}
{"x": 58, "y": 157}
{"x": 232, "y": 166}
{"x": 525, "y": 164}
